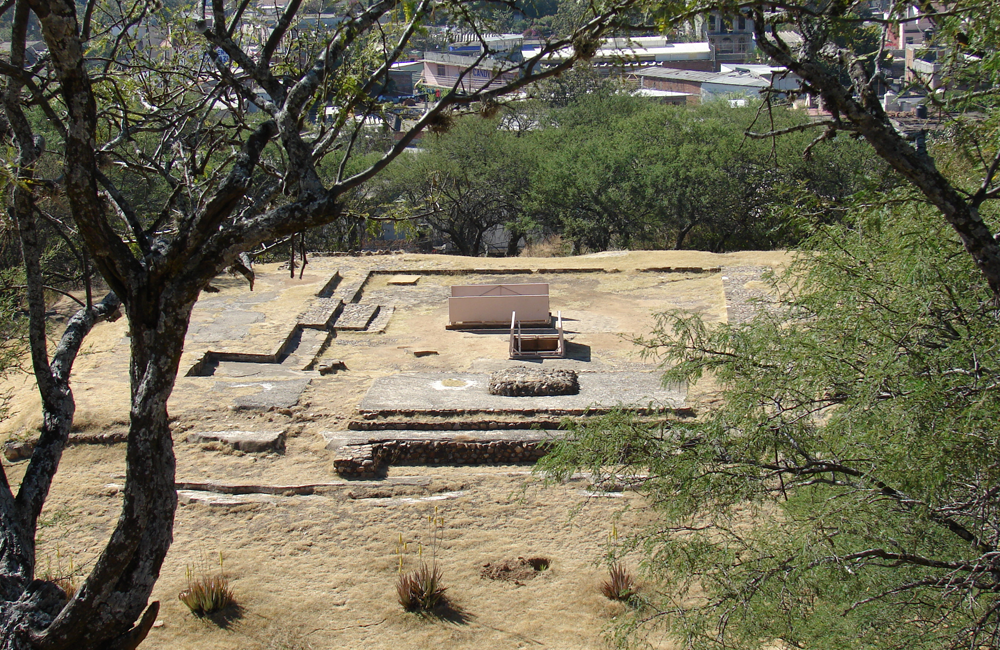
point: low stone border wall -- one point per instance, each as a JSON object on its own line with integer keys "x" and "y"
{"x": 15, "y": 450}
{"x": 681, "y": 269}
{"x": 682, "y": 411}
{"x": 370, "y": 460}
{"x": 406, "y": 270}
{"x": 373, "y": 424}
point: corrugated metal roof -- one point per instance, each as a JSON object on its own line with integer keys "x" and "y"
{"x": 613, "y": 49}
{"x": 675, "y": 74}
{"x": 652, "y": 92}
{"x": 467, "y": 61}
{"x": 697, "y": 76}
{"x": 739, "y": 80}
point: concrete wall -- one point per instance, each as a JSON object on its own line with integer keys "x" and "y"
{"x": 445, "y": 75}
{"x": 493, "y": 304}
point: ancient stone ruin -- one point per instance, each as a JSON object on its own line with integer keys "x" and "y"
{"x": 521, "y": 381}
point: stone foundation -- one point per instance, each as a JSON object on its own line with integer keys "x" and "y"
{"x": 521, "y": 381}
{"x": 370, "y": 460}
{"x": 15, "y": 450}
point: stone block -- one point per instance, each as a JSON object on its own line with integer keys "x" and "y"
{"x": 15, "y": 450}
{"x": 321, "y": 313}
{"x": 356, "y": 316}
{"x": 247, "y": 441}
{"x": 267, "y": 394}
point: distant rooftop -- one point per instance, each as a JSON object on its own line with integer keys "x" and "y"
{"x": 467, "y": 61}
{"x": 747, "y": 80}
{"x": 674, "y": 74}
{"x": 652, "y": 92}
{"x": 650, "y": 49}
{"x": 696, "y": 76}
{"x": 753, "y": 68}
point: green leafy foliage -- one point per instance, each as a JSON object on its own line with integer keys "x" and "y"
{"x": 12, "y": 326}
{"x": 465, "y": 183}
{"x": 843, "y": 492}
{"x": 619, "y": 171}
{"x": 609, "y": 170}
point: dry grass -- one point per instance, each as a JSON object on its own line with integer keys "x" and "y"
{"x": 64, "y": 578}
{"x": 316, "y": 571}
{"x": 551, "y": 246}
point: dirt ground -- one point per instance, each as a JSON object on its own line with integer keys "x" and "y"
{"x": 317, "y": 571}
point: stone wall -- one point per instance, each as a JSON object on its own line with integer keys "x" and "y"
{"x": 371, "y": 459}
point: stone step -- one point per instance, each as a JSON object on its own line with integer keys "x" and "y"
{"x": 310, "y": 345}
{"x": 248, "y": 441}
{"x": 743, "y": 303}
{"x": 336, "y": 439}
{"x": 321, "y": 313}
{"x": 262, "y": 393}
{"x": 453, "y": 425}
{"x": 356, "y": 317}
{"x": 381, "y": 320}
{"x": 370, "y": 459}
{"x": 350, "y": 290}
{"x": 330, "y": 286}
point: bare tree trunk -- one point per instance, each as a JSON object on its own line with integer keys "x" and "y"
{"x": 305, "y": 260}
{"x": 682, "y": 235}
{"x": 512, "y": 243}
{"x": 27, "y": 605}
{"x": 118, "y": 588}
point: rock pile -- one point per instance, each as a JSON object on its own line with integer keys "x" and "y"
{"x": 521, "y": 381}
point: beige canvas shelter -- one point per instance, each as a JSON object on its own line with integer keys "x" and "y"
{"x": 491, "y": 305}
{"x": 536, "y": 344}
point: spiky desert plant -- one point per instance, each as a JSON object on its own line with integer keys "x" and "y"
{"x": 620, "y": 584}
{"x": 420, "y": 590}
{"x": 207, "y": 594}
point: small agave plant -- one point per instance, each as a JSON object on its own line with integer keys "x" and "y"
{"x": 207, "y": 594}
{"x": 620, "y": 584}
{"x": 420, "y": 590}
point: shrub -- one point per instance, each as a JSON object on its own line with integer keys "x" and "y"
{"x": 68, "y": 585}
{"x": 620, "y": 584}
{"x": 420, "y": 590}
{"x": 65, "y": 580}
{"x": 207, "y": 594}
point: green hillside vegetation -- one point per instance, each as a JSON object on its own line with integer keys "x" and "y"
{"x": 610, "y": 170}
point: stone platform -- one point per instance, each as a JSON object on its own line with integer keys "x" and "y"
{"x": 467, "y": 392}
